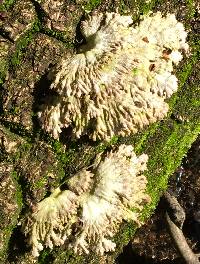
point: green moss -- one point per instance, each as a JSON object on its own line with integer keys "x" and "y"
{"x": 139, "y": 140}
{"x": 18, "y": 194}
{"x": 136, "y": 7}
{"x": 146, "y": 6}
{"x": 62, "y": 255}
{"x": 70, "y": 156}
{"x": 61, "y": 36}
{"x": 186, "y": 70}
{"x": 21, "y": 45}
{"x": 123, "y": 8}
{"x": 102, "y": 146}
{"x": 92, "y": 4}
{"x": 3, "y": 70}
{"x": 190, "y": 9}
{"x": 58, "y": 148}
{"x": 40, "y": 183}
{"x": 11, "y": 224}
{"x": 45, "y": 257}
{"x": 6, "y": 5}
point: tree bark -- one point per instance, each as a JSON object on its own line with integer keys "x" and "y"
{"x": 33, "y": 36}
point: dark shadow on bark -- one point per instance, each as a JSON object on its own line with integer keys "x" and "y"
{"x": 17, "y": 245}
{"x": 128, "y": 256}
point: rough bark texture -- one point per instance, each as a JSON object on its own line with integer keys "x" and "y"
{"x": 33, "y": 35}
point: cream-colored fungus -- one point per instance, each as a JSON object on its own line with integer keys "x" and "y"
{"x": 117, "y": 82}
{"x": 87, "y": 216}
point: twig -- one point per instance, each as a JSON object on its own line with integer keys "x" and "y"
{"x": 176, "y": 232}
{"x": 181, "y": 243}
{"x": 175, "y": 210}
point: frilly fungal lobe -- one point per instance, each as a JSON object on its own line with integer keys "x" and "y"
{"x": 89, "y": 213}
{"x": 117, "y": 82}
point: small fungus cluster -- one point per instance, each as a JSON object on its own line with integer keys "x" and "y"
{"x": 89, "y": 213}
{"x": 117, "y": 82}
